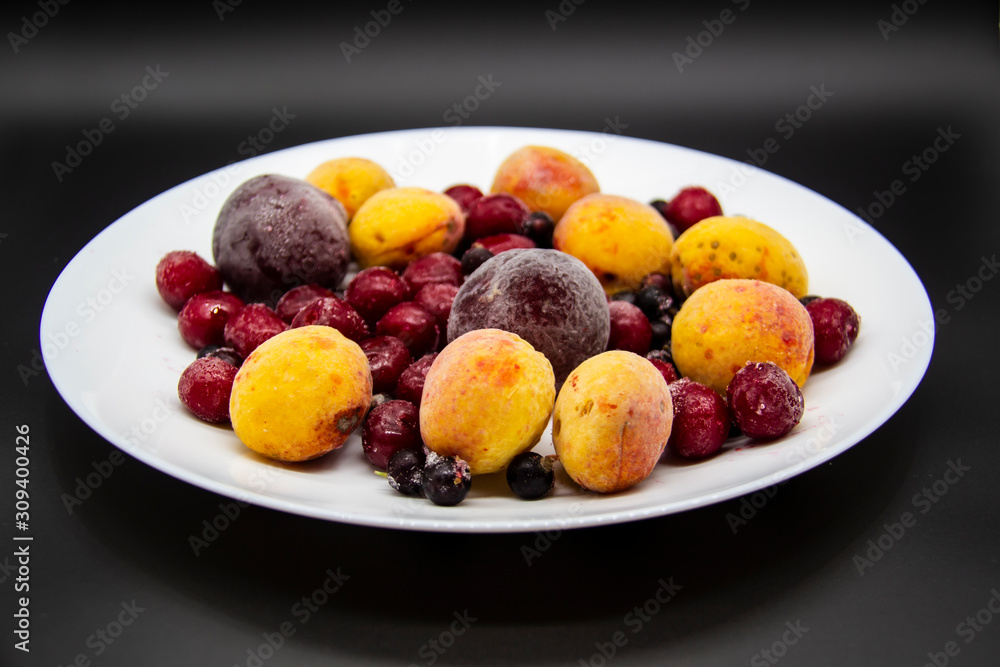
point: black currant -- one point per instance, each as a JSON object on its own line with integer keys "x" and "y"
{"x": 406, "y": 472}
{"x": 447, "y": 479}
{"x": 530, "y": 475}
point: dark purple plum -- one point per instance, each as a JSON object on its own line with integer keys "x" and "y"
{"x": 548, "y": 298}
{"x": 274, "y": 233}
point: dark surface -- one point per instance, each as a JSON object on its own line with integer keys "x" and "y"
{"x": 792, "y": 563}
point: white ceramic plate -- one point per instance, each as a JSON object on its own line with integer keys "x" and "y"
{"x": 112, "y": 348}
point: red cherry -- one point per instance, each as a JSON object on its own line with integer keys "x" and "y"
{"x": 333, "y": 312}
{"x": 835, "y": 328}
{"x": 181, "y": 274}
{"x": 691, "y": 205}
{"x": 497, "y": 243}
{"x": 413, "y": 324}
{"x": 666, "y": 369}
{"x": 764, "y": 401}
{"x": 411, "y": 383}
{"x": 250, "y": 326}
{"x": 437, "y": 267}
{"x": 388, "y": 428}
{"x": 202, "y": 320}
{"x": 465, "y": 195}
{"x": 630, "y": 329}
{"x": 387, "y": 359}
{"x": 375, "y": 290}
{"x": 297, "y": 298}
{"x": 437, "y": 299}
{"x": 499, "y": 213}
{"x": 204, "y": 388}
{"x": 701, "y": 420}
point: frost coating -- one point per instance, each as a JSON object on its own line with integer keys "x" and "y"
{"x": 274, "y": 233}
{"x": 546, "y": 297}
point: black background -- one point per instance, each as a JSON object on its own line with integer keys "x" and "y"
{"x": 793, "y": 563}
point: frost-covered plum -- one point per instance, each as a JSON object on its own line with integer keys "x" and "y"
{"x": 546, "y": 297}
{"x": 274, "y": 233}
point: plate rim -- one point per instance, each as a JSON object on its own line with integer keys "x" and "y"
{"x": 890, "y": 408}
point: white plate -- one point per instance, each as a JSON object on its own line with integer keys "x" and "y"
{"x": 112, "y": 348}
